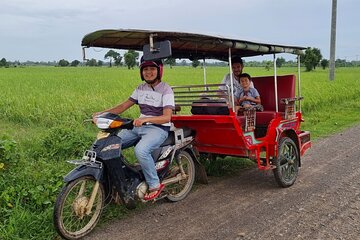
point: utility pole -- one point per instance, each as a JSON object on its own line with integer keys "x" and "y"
{"x": 332, "y": 40}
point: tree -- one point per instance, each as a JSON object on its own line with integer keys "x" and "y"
{"x": 170, "y": 61}
{"x": 183, "y": 63}
{"x": 280, "y": 61}
{"x": 112, "y": 55}
{"x": 318, "y": 57}
{"x": 130, "y": 58}
{"x": 3, "y": 63}
{"x": 268, "y": 65}
{"x": 92, "y": 62}
{"x": 195, "y": 63}
{"x": 324, "y": 63}
{"x": 100, "y": 63}
{"x": 312, "y": 58}
{"x": 118, "y": 61}
{"x": 63, "y": 63}
{"x": 75, "y": 63}
{"x": 309, "y": 58}
{"x": 340, "y": 63}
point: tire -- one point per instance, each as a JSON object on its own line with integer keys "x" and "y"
{"x": 287, "y": 163}
{"x": 69, "y": 220}
{"x": 178, "y": 191}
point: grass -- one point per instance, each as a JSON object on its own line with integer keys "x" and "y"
{"x": 41, "y": 125}
{"x": 331, "y": 106}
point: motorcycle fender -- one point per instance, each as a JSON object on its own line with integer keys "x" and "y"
{"x": 83, "y": 170}
{"x": 192, "y": 151}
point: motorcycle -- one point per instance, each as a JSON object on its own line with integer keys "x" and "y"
{"x": 104, "y": 174}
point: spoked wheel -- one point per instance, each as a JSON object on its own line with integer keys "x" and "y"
{"x": 179, "y": 190}
{"x": 72, "y": 217}
{"x": 287, "y": 163}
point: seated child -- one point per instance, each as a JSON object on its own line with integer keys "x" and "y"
{"x": 248, "y": 96}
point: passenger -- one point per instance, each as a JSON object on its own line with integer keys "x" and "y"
{"x": 237, "y": 67}
{"x": 248, "y": 96}
{"x": 156, "y": 102}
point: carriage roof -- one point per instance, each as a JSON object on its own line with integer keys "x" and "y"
{"x": 185, "y": 45}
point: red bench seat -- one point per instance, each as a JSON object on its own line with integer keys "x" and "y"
{"x": 266, "y": 88}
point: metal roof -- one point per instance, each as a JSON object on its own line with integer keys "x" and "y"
{"x": 184, "y": 45}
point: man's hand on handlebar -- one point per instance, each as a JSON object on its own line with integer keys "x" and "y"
{"x": 139, "y": 122}
{"x": 95, "y": 115}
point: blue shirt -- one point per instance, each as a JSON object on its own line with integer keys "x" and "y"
{"x": 251, "y": 93}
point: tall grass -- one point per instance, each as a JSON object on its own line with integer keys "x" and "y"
{"x": 41, "y": 124}
{"x": 49, "y": 96}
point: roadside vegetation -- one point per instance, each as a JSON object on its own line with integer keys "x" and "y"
{"x": 311, "y": 59}
{"x": 42, "y": 113}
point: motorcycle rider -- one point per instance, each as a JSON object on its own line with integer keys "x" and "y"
{"x": 156, "y": 102}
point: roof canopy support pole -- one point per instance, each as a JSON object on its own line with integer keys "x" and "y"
{"x": 275, "y": 84}
{"x": 84, "y": 54}
{"x": 231, "y": 82}
{"x": 299, "y": 82}
{"x": 204, "y": 66}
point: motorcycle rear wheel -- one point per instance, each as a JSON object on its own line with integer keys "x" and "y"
{"x": 178, "y": 191}
{"x": 70, "y": 218}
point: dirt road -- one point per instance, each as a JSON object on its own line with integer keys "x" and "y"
{"x": 324, "y": 203}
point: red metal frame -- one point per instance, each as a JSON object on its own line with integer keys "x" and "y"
{"x": 226, "y": 135}
{"x": 223, "y": 134}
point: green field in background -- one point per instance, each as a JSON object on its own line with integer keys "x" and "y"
{"x": 42, "y": 109}
{"x": 44, "y": 96}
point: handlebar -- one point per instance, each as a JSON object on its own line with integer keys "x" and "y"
{"x": 88, "y": 120}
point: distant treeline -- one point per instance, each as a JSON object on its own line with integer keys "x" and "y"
{"x": 281, "y": 62}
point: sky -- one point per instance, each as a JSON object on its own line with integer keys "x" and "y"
{"x": 50, "y": 30}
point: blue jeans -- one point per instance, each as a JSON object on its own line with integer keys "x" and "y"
{"x": 150, "y": 137}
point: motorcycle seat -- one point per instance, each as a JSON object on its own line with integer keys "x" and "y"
{"x": 170, "y": 140}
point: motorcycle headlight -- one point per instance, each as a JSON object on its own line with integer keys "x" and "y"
{"x": 104, "y": 123}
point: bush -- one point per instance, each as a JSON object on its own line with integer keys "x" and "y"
{"x": 8, "y": 159}
{"x": 8, "y": 153}
{"x": 29, "y": 188}
{"x": 66, "y": 142}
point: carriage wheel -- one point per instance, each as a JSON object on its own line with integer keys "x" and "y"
{"x": 287, "y": 163}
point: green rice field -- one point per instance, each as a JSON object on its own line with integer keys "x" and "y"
{"x": 42, "y": 113}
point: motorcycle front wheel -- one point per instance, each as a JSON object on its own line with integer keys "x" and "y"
{"x": 72, "y": 219}
{"x": 179, "y": 190}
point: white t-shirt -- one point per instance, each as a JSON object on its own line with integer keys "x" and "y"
{"x": 237, "y": 86}
{"x": 152, "y": 101}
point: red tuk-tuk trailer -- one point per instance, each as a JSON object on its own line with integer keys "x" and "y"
{"x": 272, "y": 137}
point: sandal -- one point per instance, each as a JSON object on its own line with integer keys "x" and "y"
{"x": 154, "y": 192}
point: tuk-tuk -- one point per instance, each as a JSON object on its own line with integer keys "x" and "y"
{"x": 271, "y": 137}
